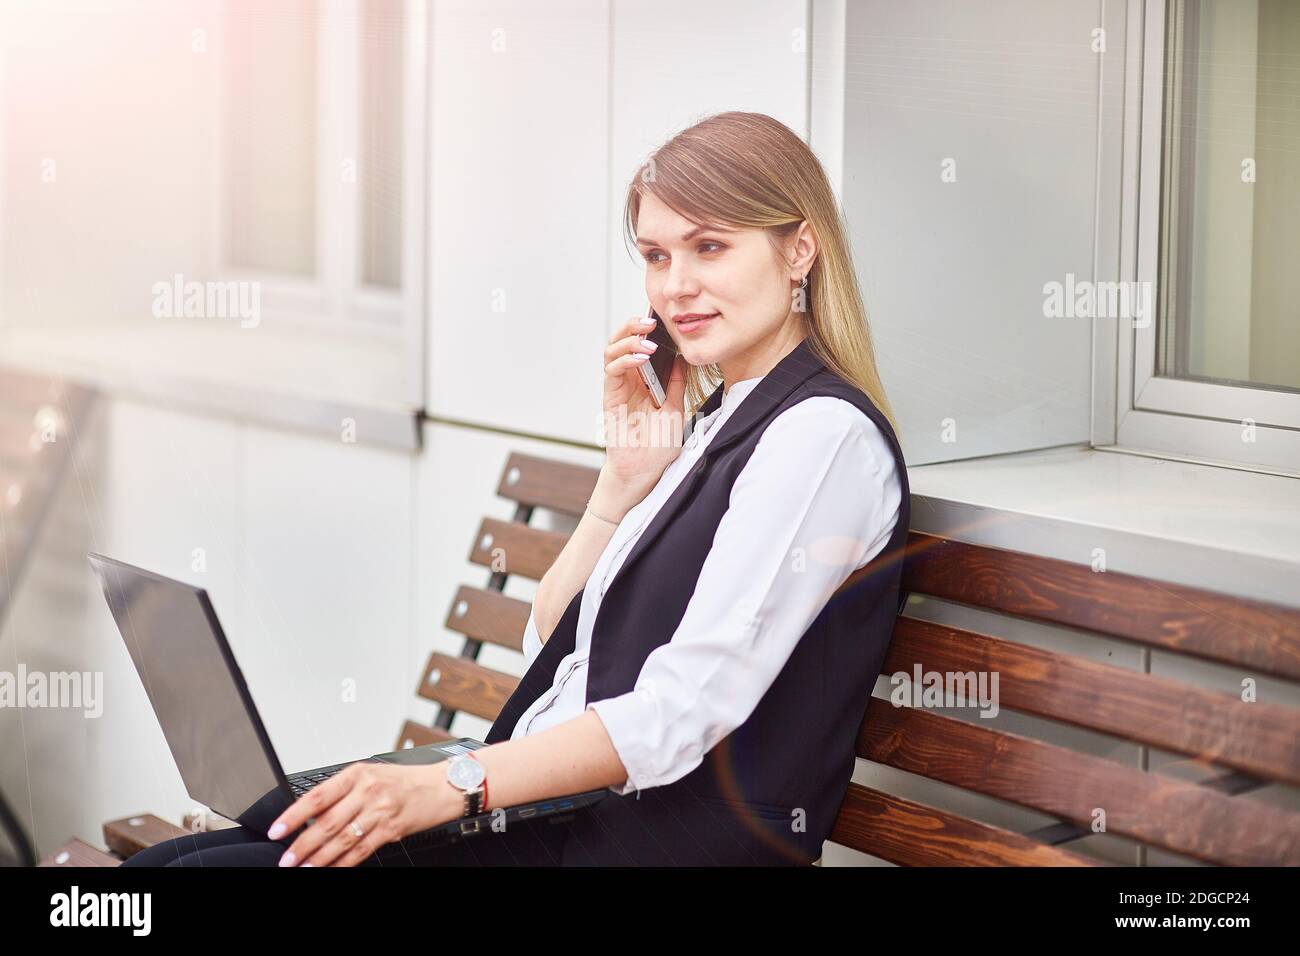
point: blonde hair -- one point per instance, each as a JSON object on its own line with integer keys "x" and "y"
{"x": 750, "y": 170}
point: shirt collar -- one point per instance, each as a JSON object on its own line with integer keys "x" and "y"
{"x": 736, "y": 393}
{"x": 732, "y": 397}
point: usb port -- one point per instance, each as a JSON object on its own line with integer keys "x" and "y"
{"x": 527, "y": 812}
{"x": 469, "y": 826}
{"x": 565, "y": 805}
{"x": 548, "y": 806}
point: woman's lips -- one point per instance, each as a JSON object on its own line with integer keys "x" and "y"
{"x": 693, "y": 324}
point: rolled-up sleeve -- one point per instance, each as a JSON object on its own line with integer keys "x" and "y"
{"x": 532, "y": 641}
{"x": 817, "y": 499}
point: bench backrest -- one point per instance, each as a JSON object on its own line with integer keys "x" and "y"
{"x": 1244, "y": 744}
{"x": 486, "y": 615}
{"x": 1235, "y": 743}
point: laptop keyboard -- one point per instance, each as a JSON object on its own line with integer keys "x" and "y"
{"x": 301, "y": 783}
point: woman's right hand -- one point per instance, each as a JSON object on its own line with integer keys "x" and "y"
{"x": 640, "y": 442}
{"x": 640, "y": 439}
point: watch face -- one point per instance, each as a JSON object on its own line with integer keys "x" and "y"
{"x": 466, "y": 773}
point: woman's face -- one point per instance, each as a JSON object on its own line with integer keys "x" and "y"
{"x": 736, "y": 276}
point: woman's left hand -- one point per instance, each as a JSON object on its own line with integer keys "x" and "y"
{"x": 385, "y": 802}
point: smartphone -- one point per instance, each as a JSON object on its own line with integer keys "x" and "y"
{"x": 658, "y": 369}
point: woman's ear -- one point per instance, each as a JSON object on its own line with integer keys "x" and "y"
{"x": 802, "y": 251}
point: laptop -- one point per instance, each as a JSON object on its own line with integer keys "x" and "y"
{"x": 213, "y": 728}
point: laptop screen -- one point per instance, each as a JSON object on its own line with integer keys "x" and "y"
{"x": 196, "y": 690}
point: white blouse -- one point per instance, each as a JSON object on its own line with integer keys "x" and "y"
{"x": 817, "y": 499}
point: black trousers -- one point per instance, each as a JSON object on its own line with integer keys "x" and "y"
{"x": 526, "y": 843}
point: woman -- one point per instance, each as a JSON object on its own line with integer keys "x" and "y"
{"x": 692, "y": 648}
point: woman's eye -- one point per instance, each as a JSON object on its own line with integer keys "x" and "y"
{"x": 703, "y": 247}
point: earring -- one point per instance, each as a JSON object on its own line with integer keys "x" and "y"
{"x": 804, "y": 282}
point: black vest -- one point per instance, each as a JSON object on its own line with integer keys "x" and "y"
{"x": 768, "y": 793}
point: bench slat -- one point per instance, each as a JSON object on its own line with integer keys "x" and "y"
{"x": 417, "y": 735}
{"x": 1205, "y": 624}
{"x": 1152, "y": 808}
{"x": 489, "y": 616}
{"x": 546, "y": 483}
{"x": 1259, "y": 739}
{"x": 460, "y": 684}
{"x": 130, "y": 835}
{"x": 78, "y": 853}
{"x": 912, "y": 834}
{"x": 516, "y": 548}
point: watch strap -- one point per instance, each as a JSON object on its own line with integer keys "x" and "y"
{"x": 480, "y": 795}
{"x": 475, "y": 800}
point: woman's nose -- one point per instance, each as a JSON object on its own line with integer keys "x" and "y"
{"x": 679, "y": 284}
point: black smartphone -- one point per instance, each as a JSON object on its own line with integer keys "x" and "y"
{"x": 658, "y": 369}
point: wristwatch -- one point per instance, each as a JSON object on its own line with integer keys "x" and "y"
{"x": 467, "y": 774}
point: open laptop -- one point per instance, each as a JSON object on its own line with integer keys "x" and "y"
{"x": 212, "y": 726}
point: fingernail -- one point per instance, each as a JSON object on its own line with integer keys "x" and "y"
{"x": 276, "y": 831}
{"x": 647, "y": 321}
{"x": 650, "y": 345}
{"x": 640, "y": 356}
{"x": 304, "y": 866}
{"x": 288, "y": 859}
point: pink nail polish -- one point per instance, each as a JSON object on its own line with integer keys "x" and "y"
{"x": 276, "y": 832}
{"x": 288, "y": 859}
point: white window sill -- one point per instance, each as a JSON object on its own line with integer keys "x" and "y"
{"x": 278, "y": 377}
{"x": 1217, "y": 528}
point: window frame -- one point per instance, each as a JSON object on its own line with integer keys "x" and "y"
{"x": 335, "y": 301}
{"x": 1134, "y": 408}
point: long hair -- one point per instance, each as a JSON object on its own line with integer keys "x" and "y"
{"x": 749, "y": 170}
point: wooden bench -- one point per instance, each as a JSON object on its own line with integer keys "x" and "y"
{"x": 1215, "y": 820}
{"x": 128, "y": 836}
{"x": 1243, "y": 745}
{"x": 486, "y": 615}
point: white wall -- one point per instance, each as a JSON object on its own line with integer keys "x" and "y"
{"x": 517, "y": 257}
{"x": 953, "y": 272}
